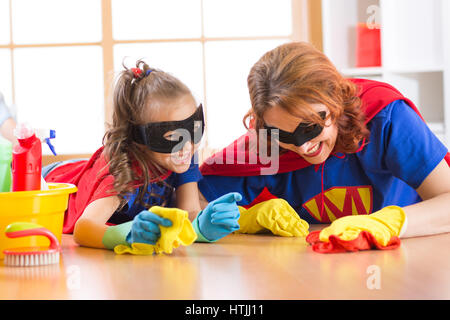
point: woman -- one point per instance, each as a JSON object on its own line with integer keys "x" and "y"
{"x": 352, "y": 152}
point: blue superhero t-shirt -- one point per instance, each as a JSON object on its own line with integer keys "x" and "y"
{"x": 160, "y": 193}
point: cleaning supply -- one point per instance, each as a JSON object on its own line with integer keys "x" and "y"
{"x": 180, "y": 233}
{"x": 27, "y": 158}
{"x": 218, "y": 219}
{"x": 31, "y": 256}
{"x": 5, "y": 165}
{"x": 44, "y": 207}
{"x": 379, "y": 230}
{"x": 275, "y": 215}
{"x": 45, "y": 135}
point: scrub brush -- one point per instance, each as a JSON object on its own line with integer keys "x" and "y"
{"x": 31, "y": 256}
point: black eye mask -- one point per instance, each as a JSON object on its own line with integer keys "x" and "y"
{"x": 183, "y": 131}
{"x": 303, "y": 133}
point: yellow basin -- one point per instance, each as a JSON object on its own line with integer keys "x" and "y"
{"x": 44, "y": 207}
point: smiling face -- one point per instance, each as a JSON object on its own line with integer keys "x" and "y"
{"x": 317, "y": 149}
{"x": 174, "y": 110}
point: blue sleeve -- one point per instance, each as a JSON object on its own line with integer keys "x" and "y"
{"x": 410, "y": 149}
{"x": 191, "y": 175}
{"x": 212, "y": 187}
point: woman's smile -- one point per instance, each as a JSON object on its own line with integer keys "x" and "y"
{"x": 314, "y": 151}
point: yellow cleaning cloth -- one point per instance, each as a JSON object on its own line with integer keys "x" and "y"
{"x": 275, "y": 215}
{"x": 180, "y": 233}
{"x": 382, "y": 224}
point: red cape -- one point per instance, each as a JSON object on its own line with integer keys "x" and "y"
{"x": 238, "y": 160}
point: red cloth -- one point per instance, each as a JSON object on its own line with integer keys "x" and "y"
{"x": 364, "y": 241}
{"x": 228, "y": 162}
{"x": 93, "y": 181}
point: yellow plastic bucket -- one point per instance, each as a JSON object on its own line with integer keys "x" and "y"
{"x": 44, "y": 207}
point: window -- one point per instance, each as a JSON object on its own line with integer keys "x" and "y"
{"x": 62, "y": 88}
{"x": 155, "y": 19}
{"x": 5, "y": 53}
{"x": 4, "y": 22}
{"x": 55, "y": 21}
{"x": 53, "y": 65}
{"x": 5, "y": 75}
{"x": 227, "y": 66}
{"x": 57, "y": 57}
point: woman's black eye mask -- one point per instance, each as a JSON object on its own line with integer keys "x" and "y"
{"x": 303, "y": 133}
{"x": 183, "y": 131}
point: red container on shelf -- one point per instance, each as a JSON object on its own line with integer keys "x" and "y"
{"x": 26, "y": 162}
{"x": 368, "y": 45}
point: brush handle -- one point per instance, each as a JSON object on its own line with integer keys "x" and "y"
{"x": 26, "y": 229}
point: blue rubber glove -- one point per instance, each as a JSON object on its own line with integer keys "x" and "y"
{"x": 220, "y": 217}
{"x": 145, "y": 228}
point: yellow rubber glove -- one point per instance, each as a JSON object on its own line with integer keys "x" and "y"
{"x": 247, "y": 221}
{"x": 383, "y": 224}
{"x": 180, "y": 233}
{"x": 275, "y": 215}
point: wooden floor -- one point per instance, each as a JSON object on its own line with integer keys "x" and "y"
{"x": 239, "y": 267}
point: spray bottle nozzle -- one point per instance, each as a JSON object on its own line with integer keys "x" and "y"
{"x": 52, "y": 148}
{"x": 45, "y": 136}
{"x": 52, "y": 135}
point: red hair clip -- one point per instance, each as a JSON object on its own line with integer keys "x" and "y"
{"x": 137, "y": 72}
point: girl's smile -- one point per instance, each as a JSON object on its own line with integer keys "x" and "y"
{"x": 175, "y": 110}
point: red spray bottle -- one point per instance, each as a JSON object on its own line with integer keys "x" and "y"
{"x": 27, "y": 159}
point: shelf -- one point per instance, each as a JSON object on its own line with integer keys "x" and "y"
{"x": 378, "y": 71}
{"x": 369, "y": 71}
{"x": 415, "y": 69}
{"x": 437, "y": 127}
{"x": 415, "y": 51}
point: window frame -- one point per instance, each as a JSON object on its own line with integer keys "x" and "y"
{"x": 304, "y": 28}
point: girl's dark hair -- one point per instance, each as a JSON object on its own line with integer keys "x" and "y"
{"x": 135, "y": 94}
{"x": 295, "y": 75}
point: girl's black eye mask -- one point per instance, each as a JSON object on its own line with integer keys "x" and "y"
{"x": 183, "y": 131}
{"x": 304, "y": 132}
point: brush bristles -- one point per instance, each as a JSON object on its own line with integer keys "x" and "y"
{"x": 31, "y": 259}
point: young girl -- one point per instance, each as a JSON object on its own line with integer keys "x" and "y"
{"x": 354, "y": 152}
{"x": 146, "y": 155}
